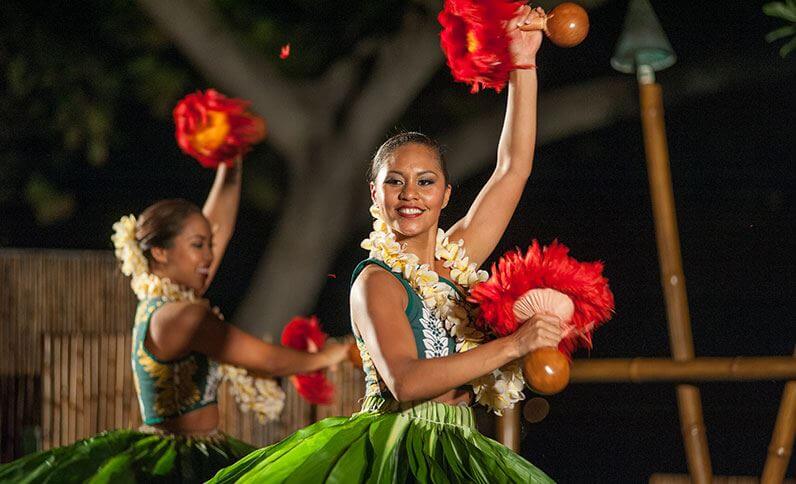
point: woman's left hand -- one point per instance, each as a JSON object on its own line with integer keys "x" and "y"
{"x": 524, "y": 44}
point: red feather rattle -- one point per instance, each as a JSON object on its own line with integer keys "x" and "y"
{"x": 305, "y": 334}
{"x": 216, "y": 129}
{"x": 545, "y": 280}
{"x": 476, "y": 44}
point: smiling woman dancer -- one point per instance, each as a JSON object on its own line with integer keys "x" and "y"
{"x": 408, "y": 315}
{"x": 173, "y": 251}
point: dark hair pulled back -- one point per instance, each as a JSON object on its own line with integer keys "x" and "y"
{"x": 389, "y": 147}
{"x": 161, "y": 222}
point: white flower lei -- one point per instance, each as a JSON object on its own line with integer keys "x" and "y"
{"x": 498, "y": 390}
{"x": 263, "y": 396}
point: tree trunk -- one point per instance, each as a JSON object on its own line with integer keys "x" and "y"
{"x": 312, "y": 227}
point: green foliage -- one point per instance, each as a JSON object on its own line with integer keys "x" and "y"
{"x": 70, "y": 72}
{"x": 787, "y": 11}
{"x": 49, "y": 203}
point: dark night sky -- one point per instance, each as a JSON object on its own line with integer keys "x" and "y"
{"x": 732, "y": 167}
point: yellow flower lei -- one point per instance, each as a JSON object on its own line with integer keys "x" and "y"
{"x": 263, "y": 396}
{"x": 498, "y": 390}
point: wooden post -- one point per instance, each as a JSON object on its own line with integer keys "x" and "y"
{"x": 781, "y": 447}
{"x": 508, "y": 428}
{"x": 672, "y": 278}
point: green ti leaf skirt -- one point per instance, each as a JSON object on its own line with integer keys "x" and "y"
{"x": 128, "y": 456}
{"x": 387, "y": 442}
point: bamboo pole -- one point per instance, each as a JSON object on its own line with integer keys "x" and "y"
{"x": 686, "y": 479}
{"x": 781, "y": 447}
{"x": 640, "y": 370}
{"x": 672, "y": 277}
{"x": 47, "y": 392}
{"x": 508, "y": 428}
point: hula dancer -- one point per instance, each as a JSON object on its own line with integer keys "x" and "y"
{"x": 412, "y": 324}
{"x": 181, "y": 350}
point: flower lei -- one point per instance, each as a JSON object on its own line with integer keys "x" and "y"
{"x": 498, "y": 390}
{"x": 262, "y": 396}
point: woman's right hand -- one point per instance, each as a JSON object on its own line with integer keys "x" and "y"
{"x": 539, "y": 331}
{"x": 523, "y": 45}
{"x": 334, "y": 352}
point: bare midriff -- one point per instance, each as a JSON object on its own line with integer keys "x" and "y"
{"x": 457, "y": 396}
{"x": 198, "y": 422}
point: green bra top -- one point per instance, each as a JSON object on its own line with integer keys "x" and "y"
{"x": 167, "y": 389}
{"x": 431, "y": 338}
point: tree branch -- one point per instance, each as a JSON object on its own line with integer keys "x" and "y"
{"x": 212, "y": 49}
{"x": 319, "y": 204}
{"x": 404, "y": 66}
{"x": 337, "y": 83}
{"x": 590, "y": 105}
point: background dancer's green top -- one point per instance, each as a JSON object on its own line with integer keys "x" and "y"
{"x": 431, "y": 337}
{"x": 167, "y": 389}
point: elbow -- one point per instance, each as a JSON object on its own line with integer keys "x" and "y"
{"x": 399, "y": 393}
{"x": 403, "y": 392}
{"x": 509, "y": 171}
{"x": 403, "y": 382}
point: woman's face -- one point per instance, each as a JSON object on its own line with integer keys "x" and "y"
{"x": 187, "y": 261}
{"x": 410, "y": 189}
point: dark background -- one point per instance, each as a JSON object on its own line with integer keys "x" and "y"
{"x": 731, "y": 150}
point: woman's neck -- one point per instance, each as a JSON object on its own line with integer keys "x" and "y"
{"x": 158, "y": 271}
{"x": 422, "y": 245}
{"x": 162, "y": 274}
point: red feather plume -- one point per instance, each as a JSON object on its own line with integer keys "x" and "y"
{"x": 545, "y": 267}
{"x": 215, "y": 129}
{"x": 313, "y": 387}
{"x": 475, "y": 42}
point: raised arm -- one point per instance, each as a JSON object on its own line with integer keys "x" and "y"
{"x": 484, "y": 224}
{"x": 221, "y": 209}
{"x": 377, "y": 308}
{"x": 181, "y": 327}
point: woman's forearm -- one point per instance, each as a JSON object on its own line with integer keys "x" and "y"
{"x": 518, "y": 138}
{"x": 287, "y": 361}
{"x": 227, "y": 344}
{"x": 221, "y": 206}
{"x": 221, "y": 210}
{"x": 412, "y": 379}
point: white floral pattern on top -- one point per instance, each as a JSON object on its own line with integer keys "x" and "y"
{"x": 264, "y": 396}
{"x": 214, "y": 377}
{"x": 435, "y": 338}
{"x": 439, "y": 298}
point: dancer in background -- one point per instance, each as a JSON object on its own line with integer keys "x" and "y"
{"x": 172, "y": 251}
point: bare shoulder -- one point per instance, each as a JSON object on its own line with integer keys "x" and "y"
{"x": 179, "y": 317}
{"x": 375, "y": 283}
